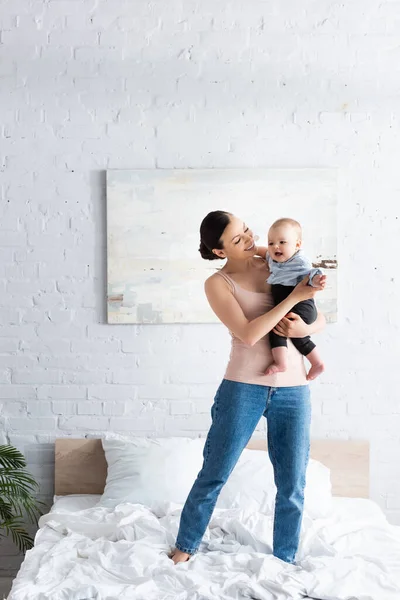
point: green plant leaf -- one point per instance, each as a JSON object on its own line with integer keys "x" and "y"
{"x": 20, "y": 536}
{"x": 16, "y": 478}
{"x": 6, "y": 511}
{"x": 24, "y": 506}
{"x": 17, "y": 499}
{"x": 10, "y": 457}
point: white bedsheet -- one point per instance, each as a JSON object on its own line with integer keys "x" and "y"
{"x": 104, "y": 554}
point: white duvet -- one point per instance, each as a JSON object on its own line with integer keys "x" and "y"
{"x": 106, "y": 554}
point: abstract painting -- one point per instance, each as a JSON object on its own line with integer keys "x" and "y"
{"x": 155, "y": 272}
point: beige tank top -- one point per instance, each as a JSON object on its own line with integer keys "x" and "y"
{"x": 247, "y": 364}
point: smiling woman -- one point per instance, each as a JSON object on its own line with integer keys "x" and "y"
{"x": 217, "y": 223}
{"x": 240, "y": 297}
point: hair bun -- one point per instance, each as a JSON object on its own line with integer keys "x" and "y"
{"x": 206, "y": 253}
{"x": 211, "y": 229}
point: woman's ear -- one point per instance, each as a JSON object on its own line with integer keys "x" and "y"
{"x": 219, "y": 253}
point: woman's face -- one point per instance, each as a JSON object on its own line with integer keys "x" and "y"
{"x": 238, "y": 241}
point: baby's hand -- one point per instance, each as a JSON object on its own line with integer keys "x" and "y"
{"x": 319, "y": 281}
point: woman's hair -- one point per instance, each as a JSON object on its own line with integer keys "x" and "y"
{"x": 211, "y": 229}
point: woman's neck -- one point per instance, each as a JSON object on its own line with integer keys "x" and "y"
{"x": 239, "y": 266}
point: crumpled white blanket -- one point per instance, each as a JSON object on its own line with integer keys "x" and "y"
{"x": 122, "y": 553}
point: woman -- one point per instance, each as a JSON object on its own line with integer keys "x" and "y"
{"x": 241, "y": 299}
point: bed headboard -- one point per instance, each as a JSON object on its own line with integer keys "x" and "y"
{"x": 81, "y": 468}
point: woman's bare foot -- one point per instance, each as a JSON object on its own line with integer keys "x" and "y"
{"x": 275, "y": 368}
{"x": 177, "y": 556}
{"x": 315, "y": 371}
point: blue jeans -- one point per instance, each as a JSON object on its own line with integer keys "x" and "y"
{"x": 235, "y": 413}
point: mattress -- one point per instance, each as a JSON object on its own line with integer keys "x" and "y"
{"x": 83, "y": 551}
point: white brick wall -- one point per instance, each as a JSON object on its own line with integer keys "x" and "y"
{"x": 87, "y": 86}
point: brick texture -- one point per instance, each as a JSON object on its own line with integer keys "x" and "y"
{"x": 88, "y": 86}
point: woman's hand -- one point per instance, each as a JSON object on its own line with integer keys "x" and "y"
{"x": 303, "y": 291}
{"x": 292, "y": 326}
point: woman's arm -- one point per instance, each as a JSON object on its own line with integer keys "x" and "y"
{"x": 293, "y": 326}
{"x": 228, "y": 310}
{"x": 318, "y": 325}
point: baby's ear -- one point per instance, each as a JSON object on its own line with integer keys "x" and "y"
{"x": 298, "y": 243}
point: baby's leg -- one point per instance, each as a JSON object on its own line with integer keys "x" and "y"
{"x": 317, "y": 366}
{"x": 308, "y": 349}
{"x": 306, "y": 346}
{"x": 279, "y": 354}
{"x": 280, "y": 363}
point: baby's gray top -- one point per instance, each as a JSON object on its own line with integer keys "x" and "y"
{"x": 292, "y": 271}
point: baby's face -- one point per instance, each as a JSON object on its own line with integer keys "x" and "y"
{"x": 283, "y": 243}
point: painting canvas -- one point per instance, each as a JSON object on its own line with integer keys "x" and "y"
{"x": 155, "y": 272}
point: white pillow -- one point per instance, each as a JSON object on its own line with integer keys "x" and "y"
{"x": 159, "y": 471}
{"x": 153, "y": 472}
{"x": 74, "y": 502}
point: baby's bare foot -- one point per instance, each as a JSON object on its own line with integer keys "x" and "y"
{"x": 177, "y": 556}
{"x": 275, "y": 368}
{"x": 315, "y": 371}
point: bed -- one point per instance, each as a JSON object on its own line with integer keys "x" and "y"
{"x": 85, "y": 551}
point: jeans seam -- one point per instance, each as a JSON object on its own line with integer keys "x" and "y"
{"x": 269, "y": 397}
{"x": 274, "y": 457}
{"x": 214, "y": 412}
{"x": 304, "y": 479}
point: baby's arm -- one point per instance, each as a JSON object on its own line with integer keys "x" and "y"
{"x": 262, "y": 251}
{"x": 316, "y": 277}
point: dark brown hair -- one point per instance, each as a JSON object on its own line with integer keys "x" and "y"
{"x": 211, "y": 229}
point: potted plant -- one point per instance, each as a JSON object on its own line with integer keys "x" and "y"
{"x": 17, "y": 502}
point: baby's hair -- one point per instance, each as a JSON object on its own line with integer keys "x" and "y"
{"x": 291, "y": 223}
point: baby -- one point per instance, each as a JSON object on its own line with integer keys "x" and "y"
{"x": 288, "y": 265}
